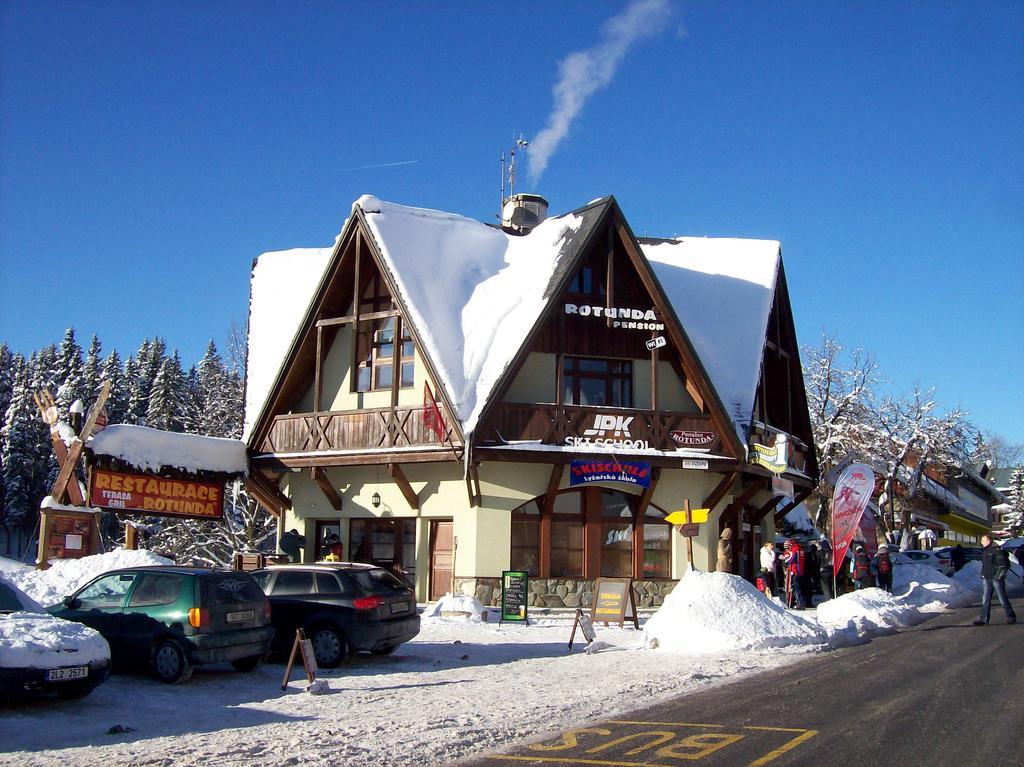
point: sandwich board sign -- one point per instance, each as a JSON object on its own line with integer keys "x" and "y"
{"x": 584, "y": 623}
{"x": 614, "y": 601}
{"x": 515, "y": 593}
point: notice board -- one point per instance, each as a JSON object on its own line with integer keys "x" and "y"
{"x": 614, "y": 601}
{"x": 515, "y": 594}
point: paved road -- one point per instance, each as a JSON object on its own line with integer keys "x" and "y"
{"x": 944, "y": 693}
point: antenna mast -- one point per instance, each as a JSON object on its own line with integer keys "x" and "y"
{"x": 519, "y": 145}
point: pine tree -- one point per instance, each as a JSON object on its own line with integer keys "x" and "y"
{"x": 167, "y": 397}
{"x": 20, "y": 457}
{"x": 68, "y": 373}
{"x": 135, "y": 403}
{"x": 91, "y": 372}
{"x": 7, "y": 368}
{"x": 217, "y": 405}
{"x": 117, "y": 401}
{"x": 1014, "y": 519}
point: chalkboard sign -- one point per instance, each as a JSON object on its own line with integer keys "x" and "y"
{"x": 515, "y": 593}
{"x": 614, "y": 601}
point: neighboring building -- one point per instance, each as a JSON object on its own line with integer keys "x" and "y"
{"x": 453, "y": 399}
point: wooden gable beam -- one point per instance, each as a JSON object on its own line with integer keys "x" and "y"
{"x": 396, "y": 473}
{"x": 720, "y": 490}
{"x": 267, "y": 494}
{"x": 320, "y": 477}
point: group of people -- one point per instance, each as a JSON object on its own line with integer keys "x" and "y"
{"x": 798, "y": 573}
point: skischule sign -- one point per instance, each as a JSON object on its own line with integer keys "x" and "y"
{"x": 627, "y": 472}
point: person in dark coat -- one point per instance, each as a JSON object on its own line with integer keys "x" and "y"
{"x": 812, "y": 572}
{"x": 860, "y": 569}
{"x": 958, "y": 558}
{"x": 292, "y": 543}
{"x": 882, "y": 565}
{"x": 825, "y": 570}
{"x": 995, "y": 563}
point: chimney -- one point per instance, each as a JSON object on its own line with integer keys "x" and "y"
{"x": 521, "y": 213}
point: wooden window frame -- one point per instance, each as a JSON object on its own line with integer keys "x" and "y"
{"x": 374, "y": 358}
{"x": 572, "y": 375}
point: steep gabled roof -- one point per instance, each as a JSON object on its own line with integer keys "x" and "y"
{"x": 722, "y": 291}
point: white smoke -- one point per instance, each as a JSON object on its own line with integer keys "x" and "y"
{"x": 583, "y": 73}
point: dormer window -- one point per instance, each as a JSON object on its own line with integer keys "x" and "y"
{"x": 588, "y": 281}
{"x": 597, "y": 382}
{"x": 375, "y": 356}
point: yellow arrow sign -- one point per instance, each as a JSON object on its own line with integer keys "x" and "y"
{"x": 681, "y": 517}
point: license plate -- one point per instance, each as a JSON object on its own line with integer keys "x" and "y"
{"x": 242, "y": 615}
{"x": 399, "y": 607}
{"x": 67, "y": 674}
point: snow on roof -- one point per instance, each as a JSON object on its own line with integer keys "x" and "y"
{"x": 473, "y": 292}
{"x": 722, "y": 291}
{"x": 152, "y": 449}
{"x": 283, "y": 283}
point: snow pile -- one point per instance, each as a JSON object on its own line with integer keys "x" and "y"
{"x": 970, "y": 577}
{"x": 152, "y": 449}
{"x": 711, "y": 612}
{"x": 49, "y": 587}
{"x": 38, "y": 640}
{"x": 928, "y": 589}
{"x": 866, "y": 611}
{"x": 458, "y": 603}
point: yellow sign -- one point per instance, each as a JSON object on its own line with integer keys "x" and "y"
{"x": 681, "y": 517}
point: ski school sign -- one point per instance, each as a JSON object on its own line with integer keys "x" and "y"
{"x": 156, "y": 495}
{"x": 627, "y": 472}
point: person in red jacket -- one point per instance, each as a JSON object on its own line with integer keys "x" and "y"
{"x": 793, "y": 556}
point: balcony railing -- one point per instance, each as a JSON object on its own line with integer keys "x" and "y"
{"x": 378, "y": 428}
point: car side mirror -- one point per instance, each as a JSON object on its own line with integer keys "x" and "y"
{"x": 70, "y": 601}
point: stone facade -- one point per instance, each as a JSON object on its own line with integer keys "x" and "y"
{"x": 562, "y": 592}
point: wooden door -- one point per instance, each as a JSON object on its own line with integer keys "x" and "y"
{"x": 442, "y": 558}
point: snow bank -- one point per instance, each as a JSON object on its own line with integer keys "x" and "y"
{"x": 38, "y": 640}
{"x": 458, "y": 603}
{"x": 928, "y": 589}
{"x": 152, "y": 449}
{"x": 970, "y": 577}
{"x": 711, "y": 612}
{"x": 867, "y": 611}
{"x": 49, "y": 586}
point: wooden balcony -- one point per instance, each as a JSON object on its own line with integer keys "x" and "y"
{"x": 554, "y": 424}
{"x": 374, "y": 429}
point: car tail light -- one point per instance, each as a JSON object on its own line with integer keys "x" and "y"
{"x": 266, "y": 608}
{"x": 368, "y": 603}
{"x": 198, "y": 618}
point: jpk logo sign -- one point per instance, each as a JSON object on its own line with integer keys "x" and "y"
{"x": 609, "y": 431}
{"x": 628, "y": 472}
{"x": 626, "y": 319}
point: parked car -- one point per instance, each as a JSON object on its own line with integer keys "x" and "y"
{"x": 174, "y": 618}
{"x": 41, "y": 654}
{"x": 922, "y": 557}
{"x": 342, "y": 607}
{"x": 971, "y": 553}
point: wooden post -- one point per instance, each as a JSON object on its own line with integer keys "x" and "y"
{"x": 44, "y": 537}
{"x": 455, "y": 550}
{"x": 689, "y": 538}
{"x": 131, "y": 537}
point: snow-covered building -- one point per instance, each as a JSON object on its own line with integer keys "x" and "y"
{"x": 453, "y": 399}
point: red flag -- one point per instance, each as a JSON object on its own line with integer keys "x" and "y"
{"x": 850, "y": 498}
{"x": 432, "y": 417}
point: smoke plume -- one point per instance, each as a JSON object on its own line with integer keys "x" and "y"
{"x": 582, "y": 73}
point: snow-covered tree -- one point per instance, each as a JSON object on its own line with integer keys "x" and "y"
{"x": 117, "y": 401}
{"x": 21, "y": 459}
{"x": 92, "y": 371}
{"x": 167, "y": 397}
{"x": 1013, "y": 520}
{"x": 68, "y": 373}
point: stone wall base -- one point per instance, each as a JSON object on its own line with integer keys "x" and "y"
{"x": 561, "y": 592}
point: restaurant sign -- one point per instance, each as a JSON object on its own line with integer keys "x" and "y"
{"x": 627, "y": 472}
{"x": 150, "y": 494}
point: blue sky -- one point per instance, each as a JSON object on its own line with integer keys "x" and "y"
{"x": 149, "y": 151}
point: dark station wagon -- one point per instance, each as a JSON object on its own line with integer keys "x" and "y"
{"x": 173, "y": 618}
{"x": 342, "y": 607}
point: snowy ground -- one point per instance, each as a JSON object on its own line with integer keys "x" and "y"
{"x": 460, "y": 688}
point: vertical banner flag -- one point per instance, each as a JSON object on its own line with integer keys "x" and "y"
{"x": 432, "y": 418}
{"x": 850, "y": 498}
{"x": 868, "y": 530}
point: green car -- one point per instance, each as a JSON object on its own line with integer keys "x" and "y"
{"x": 171, "y": 619}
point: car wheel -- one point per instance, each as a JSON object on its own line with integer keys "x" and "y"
{"x": 329, "y": 646}
{"x": 385, "y": 650}
{"x": 247, "y": 664}
{"x": 74, "y": 693}
{"x": 170, "y": 664}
